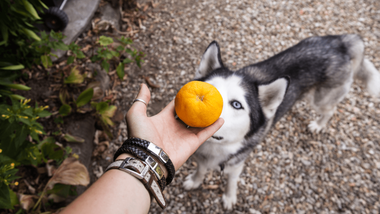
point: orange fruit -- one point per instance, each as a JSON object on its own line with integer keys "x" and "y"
{"x": 198, "y": 104}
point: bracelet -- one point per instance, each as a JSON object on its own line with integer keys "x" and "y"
{"x": 144, "y": 157}
{"x": 156, "y": 152}
{"x": 142, "y": 171}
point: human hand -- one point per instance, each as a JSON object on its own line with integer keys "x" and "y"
{"x": 165, "y": 131}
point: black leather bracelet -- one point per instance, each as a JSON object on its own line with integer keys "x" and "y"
{"x": 155, "y": 151}
{"x": 140, "y": 154}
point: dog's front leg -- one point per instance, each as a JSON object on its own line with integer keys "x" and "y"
{"x": 229, "y": 196}
{"x": 195, "y": 179}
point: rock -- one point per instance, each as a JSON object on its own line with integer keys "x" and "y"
{"x": 111, "y": 15}
{"x": 80, "y": 13}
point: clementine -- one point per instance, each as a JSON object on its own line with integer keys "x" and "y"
{"x": 198, "y": 104}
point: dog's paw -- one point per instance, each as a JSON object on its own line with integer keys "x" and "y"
{"x": 229, "y": 201}
{"x": 190, "y": 183}
{"x": 315, "y": 127}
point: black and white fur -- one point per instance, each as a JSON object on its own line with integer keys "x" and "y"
{"x": 257, "y": 96}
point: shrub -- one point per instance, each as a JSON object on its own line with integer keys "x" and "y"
{"x": 17, "y": 18}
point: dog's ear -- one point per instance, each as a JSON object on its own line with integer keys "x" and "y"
{"x": 211, "y": 60}
{"x": 271, "y": 95}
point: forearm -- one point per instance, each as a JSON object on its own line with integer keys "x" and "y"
{"x": 116, "y": 192}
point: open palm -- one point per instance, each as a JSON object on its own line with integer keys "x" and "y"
{"x": 165, "y": 131}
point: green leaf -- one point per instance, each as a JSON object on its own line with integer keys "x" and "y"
{"x": 126, "y": 61}
{"x": 52, "y": 151}
{"x": 62, "y": 95}
{"x": 25, "y": 121}
{"x": 29, "y": 7}
{"x": 110, "y": 112}
{"x": 46, "y": 61}
{"x": 30, "y": 155}
{"x": 95, "y": 58}
{"x": 31, "y": 34}
{"x": 44, "y": 113}
{"x": 13, "y": 67}
{"x": 4, "y": 32}
{"x": 129, "y": 51}
{"x": 17, "y": 97}
{"x": 61, "y": 46}
{"x": 125, "y": 40}
{"x": 104, "y": 40}
{"x": 73, "y": 139}
{"x": 75, "y": 77}
{"x": 105, "y": 65}
{"x": 28, "y": 112}
{"x": 138, "y": 62}
{"x": 70, "y": 60}
{"x": 5, "y": 200}
{"x": 107, "y": 114}
{"x": 80, "y": 54}
{"x": 16, "y": 86}
{"x": 46, "y": 140}
{"x": 51, "y": 54}
{"x": 43, "y": 5}
{"x": 115, "y": 54}
{"x": 65, "y": 110}
{"x": 120, "y": 70}
{"x": 101, "y": 107}
{"x": 21, "y": 135}
{"x": 85, "y": 97}
{"x": 120, "y": 48}
{"x": 14, "y": 198}
{"x": 22, "y": 12}
{"x": 108, "y": 55}
{"x": 62, "y": 190}
{"x": 58, "y": 120}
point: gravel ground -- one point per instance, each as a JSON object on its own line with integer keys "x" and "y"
{"x": 293, "y": 170}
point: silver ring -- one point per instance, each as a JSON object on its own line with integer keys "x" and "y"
{"x": 139, "y": 100}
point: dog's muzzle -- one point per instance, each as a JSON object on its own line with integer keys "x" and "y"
{"x": 217, "y": 137}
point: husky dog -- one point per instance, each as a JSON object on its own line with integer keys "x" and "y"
{"x": 257, "y": 96}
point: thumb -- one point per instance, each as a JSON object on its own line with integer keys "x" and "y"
{"x": 207, "y": 132}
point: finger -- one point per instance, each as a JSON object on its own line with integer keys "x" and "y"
{"x": 168, "y": 110}
{"x": 139, "y": 107}
{"x": 167, "y": 113}
{"x": 169, "y": 107}
{"x": 207, "y": 132}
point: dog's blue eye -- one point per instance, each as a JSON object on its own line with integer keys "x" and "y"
{"x": 236, "y": 105}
